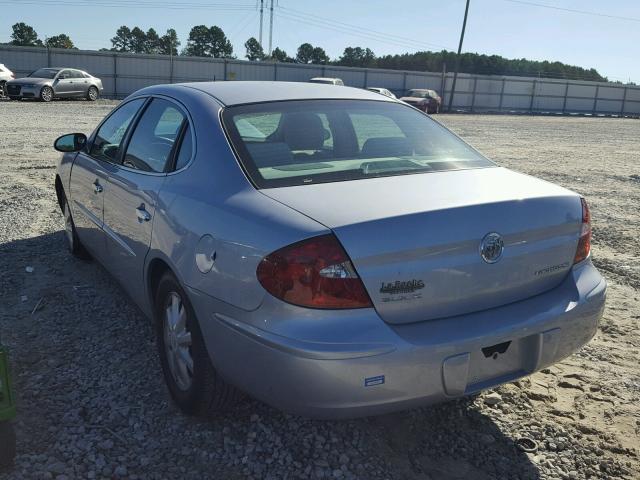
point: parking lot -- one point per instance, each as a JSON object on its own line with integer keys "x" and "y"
{"x": 91, "y": 397}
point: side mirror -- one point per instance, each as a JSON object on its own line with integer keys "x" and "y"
{"x": 72, "y": 142}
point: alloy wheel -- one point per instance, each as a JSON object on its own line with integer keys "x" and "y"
{"x": 93, "y": 93}
{"x": 46, "y": 94}
{"x": 177, "y": 342}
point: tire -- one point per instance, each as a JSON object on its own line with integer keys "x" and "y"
{"x": 71, "y": 234}
{"x": 193, "y": 382}
{"x": 92, "y": 94}
{"x": 8, "y": 442}
{"x": 46, "y": 94}
{"x": 3, "y": 89}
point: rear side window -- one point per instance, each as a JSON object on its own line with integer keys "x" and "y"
{"x": 316, "y": 141}
{"x": 107, "y": 142}
{"x": 154, "y": 136}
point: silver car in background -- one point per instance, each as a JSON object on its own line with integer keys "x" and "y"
{"x": 49, "y": 83}
{"x": 328, "y": 250}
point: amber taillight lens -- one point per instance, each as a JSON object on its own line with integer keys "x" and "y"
{"x": 584, "y": 244}
{"x": 314, "y": 273}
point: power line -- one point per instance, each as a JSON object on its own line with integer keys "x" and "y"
{"x": 357, "y": 30}
{"x": 573, "y": 10}
{"x": 137, "y": 4}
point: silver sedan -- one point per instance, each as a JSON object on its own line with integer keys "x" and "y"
{"x": 328, "y": 250}
{"x": 49, "y": 83}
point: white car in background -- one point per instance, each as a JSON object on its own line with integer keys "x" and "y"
{"x": 382, "y": 91}
{"x": 5, "y": 76}
{"x": 327, "y": 80}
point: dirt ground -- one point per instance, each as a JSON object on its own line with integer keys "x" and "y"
{"x": 91, "y": 398}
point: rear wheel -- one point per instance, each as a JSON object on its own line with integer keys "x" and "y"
{"x": 46, "y": 94}
{"x": 8, "y": 442}
{"x": 3, "y": 89}
{"x": 192, "y": 380}
{"x": 92, "y": 94}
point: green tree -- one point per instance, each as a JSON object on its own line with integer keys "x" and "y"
{"x": 280, "y": 55}
{"x": 24, "y": 35}
{"x": 122, "y": 40}
{"x": 357, "y": 57}
{"x": 254, "y": 49}
{"x": 319, "y": 56}
{"x": 138, "y": 40}
{"x": 305, "y": 53}
{"x": 59, "y": 41}
{"x": 208, "y": 42}
{"x": 169, "y": 43}
{"x": 152, "y": 42}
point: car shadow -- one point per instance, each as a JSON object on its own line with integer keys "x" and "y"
{"x": 86, "y": 372}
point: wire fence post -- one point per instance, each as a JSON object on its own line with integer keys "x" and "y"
{"x": 225, "y": 70}
{"x": 504, "y": 80}
{"x": 624, "y": 100}
{"x": 566, "y": 94}
{"x": 595, "y": 100}
{"x": 115, "y": 76}
{"x": 443, "y": 80}
{"x": 533, "y": 95}
{"x": 48, "y": 57}
{"x": 275, "y": 71}
{"x": 473, "y": 94}
{"x": 366, "y": 76}
{"x": 171, "y": 68}
{"x": 404, "y": 82}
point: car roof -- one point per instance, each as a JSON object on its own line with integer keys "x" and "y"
{"x": 326, "y": 78}
{"x": 243, "y": 92}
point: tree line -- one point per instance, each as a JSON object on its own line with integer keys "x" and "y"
{"x": 204, "y": 41}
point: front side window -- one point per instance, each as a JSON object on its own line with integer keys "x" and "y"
{"x": 152, "y": 141}
{"x": 44, "y": 73}
{"x": 316, "y": 141}
{"x": 108, "y": 140}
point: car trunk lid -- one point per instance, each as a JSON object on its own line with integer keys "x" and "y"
{"x": 415, "y": 240}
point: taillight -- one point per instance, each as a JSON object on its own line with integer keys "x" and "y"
{"x": 584, "y": 244}
{"x": 313, "y": 273}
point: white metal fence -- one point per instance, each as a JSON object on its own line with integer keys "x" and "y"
{"x": 123, "y": 73}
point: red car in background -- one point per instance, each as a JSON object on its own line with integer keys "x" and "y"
{"x": 423, "y": 99}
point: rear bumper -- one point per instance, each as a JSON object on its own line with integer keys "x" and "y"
{"x": 351, "y": 363}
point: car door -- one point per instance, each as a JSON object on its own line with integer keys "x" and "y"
{"x": 89, "y": 176}
{"x": 133, "y": 187}
{"x": 77, "y": 84}
{"x": 63, "y": 84}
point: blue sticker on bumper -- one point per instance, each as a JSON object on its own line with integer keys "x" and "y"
{"x": 372, "y": 381}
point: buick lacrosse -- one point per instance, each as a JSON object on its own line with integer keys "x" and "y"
{"x": 328, "y": 250}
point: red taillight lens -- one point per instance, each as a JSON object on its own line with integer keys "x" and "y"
{"x": 313, "y": 273}
{"x": 584, "y": 244}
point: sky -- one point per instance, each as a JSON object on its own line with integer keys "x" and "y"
{"x": 609, "y": 42}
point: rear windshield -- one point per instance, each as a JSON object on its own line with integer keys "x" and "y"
{"x": 316, "y": 141}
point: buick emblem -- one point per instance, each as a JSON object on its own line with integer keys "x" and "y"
{"x": 491, "y": 247}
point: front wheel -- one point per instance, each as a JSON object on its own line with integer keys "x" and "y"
{"x": 71, "y": 234}
{"x": 46, "y": 94}
{"x": 3, "y": 89}
{"x": 8, "y": 442}
{"x": 92, "y": 94}
{"x": 193, "y": 382}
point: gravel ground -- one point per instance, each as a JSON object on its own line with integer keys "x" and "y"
{"x": 91, "y": 398}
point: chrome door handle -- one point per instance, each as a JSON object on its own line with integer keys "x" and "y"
{"x": 97, "y": 188}
{"x": 143, "y": 215}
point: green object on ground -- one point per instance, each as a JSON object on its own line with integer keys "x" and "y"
{"x": 7, "y": 403}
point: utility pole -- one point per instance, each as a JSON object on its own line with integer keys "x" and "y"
{"x": 261, "y": 15}
{"x": 455, "y": 72}
{"x": 270, "y": 27}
